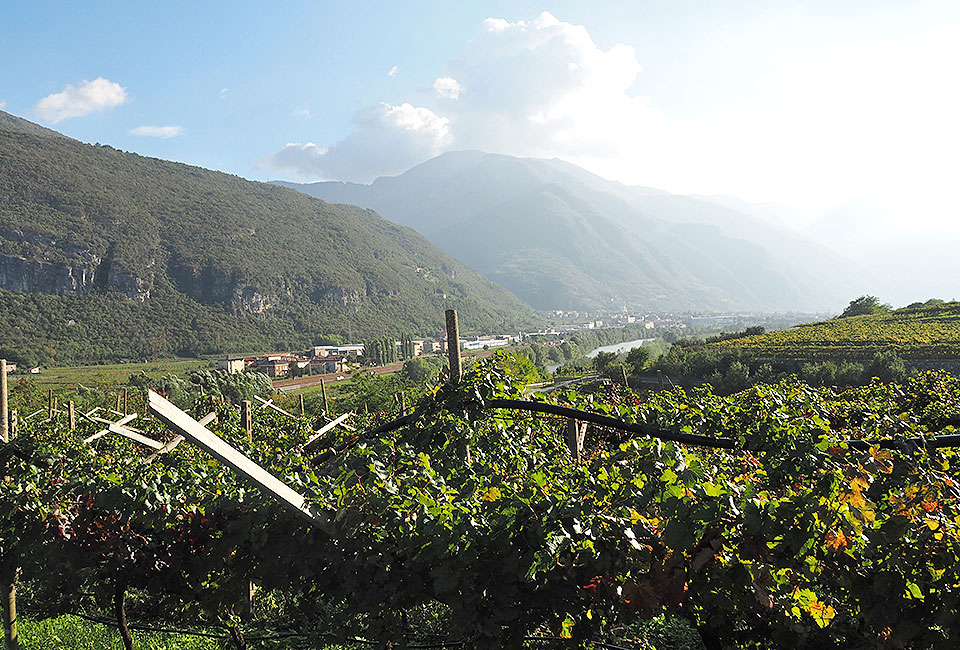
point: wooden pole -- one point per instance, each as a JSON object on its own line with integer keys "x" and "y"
{"x": 660, "y": 378}
{"x": 5, "y": 426}
{"x": 72, "y": 412}
{"x": 323, "y": 393}
{"x": 576, "y": 431}
{"x": 246, "y": 418}
{"x": 125, "y": 404}
{"x": 402, "y": 400}
{"x": 50, "y": 406}
{"x": 623, "y": 370}
{"x": 118, "y": 403}
{"x": 453, "y": 347}
{"x": 303, "y": 411}
{"x": 8, "y": 594}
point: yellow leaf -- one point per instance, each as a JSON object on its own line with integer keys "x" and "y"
{"x": 491, "y": 494}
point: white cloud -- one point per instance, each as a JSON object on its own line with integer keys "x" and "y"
{"x": 447, "y": 88}
{"x": 529, "y": 88}
{"x": 77, "y": 101}
{"x": 303, "y": 111}
{"x": 223, "y": 93}
{"x": 393, "y": 71}
{"x": 543, "y": 87}
{"x": 157, "y": 131}
{"x": 389, "y": 139}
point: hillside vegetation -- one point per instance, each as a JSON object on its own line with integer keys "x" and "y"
{"x": 930, "y": 332}
{"x": 107, "y": 255}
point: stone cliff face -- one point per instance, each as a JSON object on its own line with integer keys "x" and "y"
{"x": 59, "y": 278}
{"x": 46, "y": 265}
{"x": 209, "y": 284}
{"x": 18, "y": 274}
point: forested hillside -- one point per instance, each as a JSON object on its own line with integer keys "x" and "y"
{"x": 195, "y": 261}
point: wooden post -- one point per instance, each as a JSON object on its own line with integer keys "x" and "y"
{"x": 576, "y": 431}
{"x": 660, "y": 378}
{"x": 72, "y": 413}
{"x": 5, "y": 426}
{"x": 402, "y": 401}
{"x": 623, "y": 370}
{"x": 303, "y": 411}
{"x": 246, "y": 418}
{"x": 8, "y": 596}
{"x": 125, "y": 411}
{"x": 453, "y": 347}
{"x": 323, "y": 393}
{"x": 249, "y": 609}
{"x": 51, "y": 407}
{"x": 118, "y": 404}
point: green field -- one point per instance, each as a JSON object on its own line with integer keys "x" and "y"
{"x": 919, "y": 333}
{"x": 113, "y": 374}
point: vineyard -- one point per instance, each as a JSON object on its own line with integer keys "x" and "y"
{"x": 919, "y": 333}
{"x": 473, "y": 524}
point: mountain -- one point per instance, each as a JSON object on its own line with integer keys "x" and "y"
{"x": 560, "y": 237}
{"x": 106, "y": 254}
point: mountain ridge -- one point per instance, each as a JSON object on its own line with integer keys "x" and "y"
{"x": 79, "y": 220}
{"x": 684, "y": 253}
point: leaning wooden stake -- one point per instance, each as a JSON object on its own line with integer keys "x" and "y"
{"x": 453, "y": 347}
{"x": 303, "y": 411}
{"x": 219, "y": 449}
{"x": 246, "y": 418}
{"x": 72, "y": 414}
{"x": 4, "y": 415}
{"x": 623, "y": 371}
{"x": 120, "y": 611}
{"x": 317, "y": 435}
{"x": 323, "y": 393}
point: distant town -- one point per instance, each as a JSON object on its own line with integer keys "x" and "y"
{"x": 345, "y": 358}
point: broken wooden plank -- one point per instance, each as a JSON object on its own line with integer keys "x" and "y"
{"x": 135, "y": 436}
{"x": 219, "y": 449}
{"x": 172, "y": 444}
{"x": 322, "y": 430}
{"x": 269, "y": 404}
{"x": 104, "y": 432}
{"x": 123, "y": 421}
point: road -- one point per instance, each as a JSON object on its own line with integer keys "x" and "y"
{"x": 287, "y": 385}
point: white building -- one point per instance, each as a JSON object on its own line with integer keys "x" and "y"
{"x": 232, "y": 365}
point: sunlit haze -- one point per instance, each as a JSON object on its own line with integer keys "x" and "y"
{"x": 814, "y": 105}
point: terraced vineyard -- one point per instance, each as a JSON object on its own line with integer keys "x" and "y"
{"x": 919, "y": 333}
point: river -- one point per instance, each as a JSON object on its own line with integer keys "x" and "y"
{"x": 616, "y": 348}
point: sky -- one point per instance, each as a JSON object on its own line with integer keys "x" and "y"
{"x": 816, "y": 105}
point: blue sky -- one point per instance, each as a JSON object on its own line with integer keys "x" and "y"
{"x": 807, "y": 103}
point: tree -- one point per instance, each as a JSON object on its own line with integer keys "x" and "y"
{"x": 602, "y": 360}
{"x": 637, "y": 359}
{"x": 865, "y": 305}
